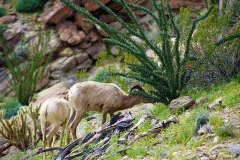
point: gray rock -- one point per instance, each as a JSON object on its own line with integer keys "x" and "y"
{"x": 180, "y": 102}
{"x": 234, "y": 149}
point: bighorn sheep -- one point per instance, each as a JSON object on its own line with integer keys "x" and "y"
{"x": 54, "y": 112}
{"x": 101, "y": 97}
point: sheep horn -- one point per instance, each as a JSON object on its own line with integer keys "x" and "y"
{"x": 138, "y": 87}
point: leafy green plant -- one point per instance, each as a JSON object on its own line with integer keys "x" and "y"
{"x": 23, "y": 77}
{"x": 3, "y": 11}
{"x": 167, "y": 78}
{"x": 11, "y": 106}
{"x": 227, "y": 130}
{"x": 29, "y": 6}
{"x": 216, "y": 121}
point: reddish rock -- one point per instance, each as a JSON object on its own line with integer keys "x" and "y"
{"x": 12, "y": 33}
{"x": 8, "y": 19}
{"x": 69, "y": 33}
{"x": 95, "y": 49}
{"x": 35, "y": 17}
{"x": 106, "y": 18}
{"x": 64, "y": 64}
{"x": 56, "y": 14}
{"x": 66, "y": 52}
{"x": 84, "y": 45}
{"x": 57, "y": 90}
{"x": 92, "y": 6}
{"x": 86, "y": 27}
{"x": 92, "y": 37}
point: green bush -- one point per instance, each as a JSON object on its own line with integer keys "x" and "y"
{"x": 3, "y": 11}
{"x": 11, "y": 106}
{"x": 226, "y": 130}
{"x": 216, "y": 49}
{"x": 29, "y": 6}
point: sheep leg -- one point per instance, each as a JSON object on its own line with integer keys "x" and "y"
{"x": 76, "y": 121}
{"x": 69, "y": 123}
{"x": 104, "y": 115}
{"x": 52, "y": 132}
{"x": 111, "y": 115}
{"x": 43, "y": 128}
{"x": 62, "y": 133}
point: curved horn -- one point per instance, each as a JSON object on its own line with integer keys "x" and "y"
{"x": 138, "y": 87}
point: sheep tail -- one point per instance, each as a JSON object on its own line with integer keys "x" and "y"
{"x": 72, "y": 116}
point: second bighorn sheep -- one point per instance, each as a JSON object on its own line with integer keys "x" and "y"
{"x": 101, "y": 97}
{"x": 54, "y": 112}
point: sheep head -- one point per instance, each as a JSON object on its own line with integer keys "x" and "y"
{"x": 139, "y": 88}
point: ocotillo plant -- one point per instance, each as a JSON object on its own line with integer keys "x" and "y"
{"x": 167, "y": 76}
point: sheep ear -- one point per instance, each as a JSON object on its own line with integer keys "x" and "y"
{"x": 138, "y": 87}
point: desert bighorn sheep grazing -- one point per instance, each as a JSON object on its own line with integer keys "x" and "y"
{"x": 101, "y": 97}
{"x": 54, "y": 112}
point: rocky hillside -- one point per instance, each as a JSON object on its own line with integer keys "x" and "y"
{"x": 76, "y": 42}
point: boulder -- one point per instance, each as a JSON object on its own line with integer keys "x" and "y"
{"x": 12, "y": 33}
{"x": 56, "y": 14}
{"x": 92, "y": 6}
{"x": 106, "y": 18}
{"x": 83, "y": 60}
{"x": 8, "y": 19}
{"x": 186, "y": 102}
{"x": 57, "y": 90}
{"x": 94, "y": 49}
{"x": 86, "y": 27}
{"x": 66, "y": 52}
{"x": 63, "y": 64}
{"x": 69, "y": 33}
{"x": 92, "y": 37}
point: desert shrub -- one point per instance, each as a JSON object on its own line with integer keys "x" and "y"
{"x": 29, "y": 6}
{"x": 216, "y": 49}
{"x": 11, "y": 106}
{"x": 3, "y": 11}
{"x": 226, "y": 130}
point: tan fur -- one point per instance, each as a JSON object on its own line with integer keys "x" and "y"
{"x": 54, "y": 112}
{"x": 101, "y": 97}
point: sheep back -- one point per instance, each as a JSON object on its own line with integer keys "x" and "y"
{"x": 55, "y": 110}
{"x": 95, "y": 95}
